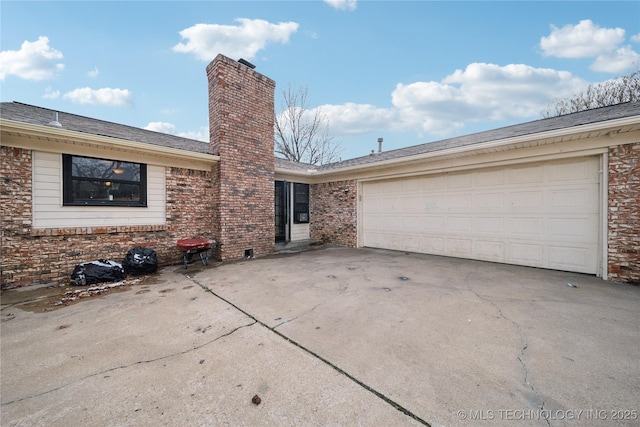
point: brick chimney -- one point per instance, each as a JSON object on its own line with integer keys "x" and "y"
{"x": 241, "y": 132}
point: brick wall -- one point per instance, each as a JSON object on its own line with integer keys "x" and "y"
{"x": 31, "y": 256}
{"x": 624, "y": 213}
{"x": 15, "y": 208}
{"x": 241, "y": 132}
{"x": 334, "y": 212}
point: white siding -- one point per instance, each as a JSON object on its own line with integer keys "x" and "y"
{"x": 48, "y": 211}
{"x": 541, "y": 215}
{"x": 299, "y": 231}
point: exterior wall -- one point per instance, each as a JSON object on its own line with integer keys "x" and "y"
{"x": 31, "y": 256}
{"x": 624, "y": 213}
{"x": 334, "y": 207}
{"x": 48, "y": 212}
{"x": 241, "y": 132}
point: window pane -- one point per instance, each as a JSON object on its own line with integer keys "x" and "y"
{"x": 103, "y": 182}
{"x": 85, "y": 167}
{"x": 300, "y": 203}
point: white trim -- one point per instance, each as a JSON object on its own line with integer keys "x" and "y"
{"x": 55, "y": 140}
{"x": 604, "y": 216}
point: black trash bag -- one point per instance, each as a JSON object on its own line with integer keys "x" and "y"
{"x": 98, "y": 271}
{"x": 140, "y": 260}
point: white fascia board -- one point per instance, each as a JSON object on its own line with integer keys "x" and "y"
{"x": 64, "y": 137}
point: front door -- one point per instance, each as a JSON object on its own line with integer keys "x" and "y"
{"x": 281, "y": 211}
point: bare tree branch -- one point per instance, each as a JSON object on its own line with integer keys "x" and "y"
{"x": 300, "y": 134}
{"x": 611, "y": 92}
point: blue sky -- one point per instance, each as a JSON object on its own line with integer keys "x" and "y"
{"x": 407, "y": 71}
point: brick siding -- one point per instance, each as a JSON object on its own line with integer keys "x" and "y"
{"x": 241, "y": 132}
{"x": 334, "y": 213}
{"x": 624, "y": 213}
{"x": 32, "y": 256}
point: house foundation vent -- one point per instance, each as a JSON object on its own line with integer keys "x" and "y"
{"x": 248, "y": 253}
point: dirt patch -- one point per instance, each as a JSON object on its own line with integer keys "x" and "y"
{"x": 45, "y": 299}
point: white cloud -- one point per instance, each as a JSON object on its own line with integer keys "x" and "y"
{"x": 206, "y": 41}
{"x": 200, "y": 135}
{"x": 478, "y": 93}
{"x": 34, "y": 61}
{"x": 635, "y": 38}
{"x": 104, "y": 96}
{"x": 616, "y": 62}
{"x": 349, "y": 5}
{"x": 585, "y": 40}
{"x": 93, "y": 73}
{"x": 354, "y": 119}
{"x": 481, "y": 92}
{"x": 49, "y": 93}
{"x": 162, "y": 127}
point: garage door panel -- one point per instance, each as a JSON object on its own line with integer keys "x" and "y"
{"x": 433, "y": 182}
{"x": 390, "y": 204}
{"x": 562, "y": 256}
{"x": 408, "y": 223}
{"x": 411, "y": 185}
{"x": 411, "y": 243}
{"x": 526, "y": 253}
{"x": 544, "y": 214}
{"x": 526, "y": 200}
{"x": 459, "y": 202}
{"x": 433, "y": 224}
{"x": 488, "y": 225}
{"x": 525, "y": 227}
{"x": 433, "y": 203}
{"x": 458, "y": 224}
{"x": 525, "y": 174}
{"x": 458, "y": 180}
{"x": 432, "y": 245}
{"x": 572, "y": 198}
{"x": 489, "y": 250}
{"x": 391, "y": 241}
{"x": 373, "y": 205}
{"x": 572, "y": 171}
{"x": 489, "y": 178}
{"x": 411, "y": 204}
{"x": 372, "y": 239}
{"x": 390, "y": 223}
{"x": 572, "y": 229}
{"x": 489, "y": 202}
{"x": 372, "y": 222}
{"x": 459, "y": 247}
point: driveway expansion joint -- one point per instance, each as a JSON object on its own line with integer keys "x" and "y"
{"x": 376, "y": 393}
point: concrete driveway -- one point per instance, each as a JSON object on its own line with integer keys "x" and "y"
{"x": 331, "y": 336}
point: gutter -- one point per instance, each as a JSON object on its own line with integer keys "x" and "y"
{"x": 65, "y": 136}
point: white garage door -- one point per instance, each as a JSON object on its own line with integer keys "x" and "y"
{"x": 540, "y": 215}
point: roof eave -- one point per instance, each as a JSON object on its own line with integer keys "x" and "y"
{"x": 61, "y": 135}
{"x": 496, "y": 145}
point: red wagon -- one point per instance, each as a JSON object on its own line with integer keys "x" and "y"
{"x": 200, "y": 247}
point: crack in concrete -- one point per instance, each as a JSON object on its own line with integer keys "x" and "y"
{"x": 139, "y": 362}
{"x": 525, "y": 345}
{"x": 370, "y": 389}
{"x": 340, "y": 292}
{"x": 300, "y": 315}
